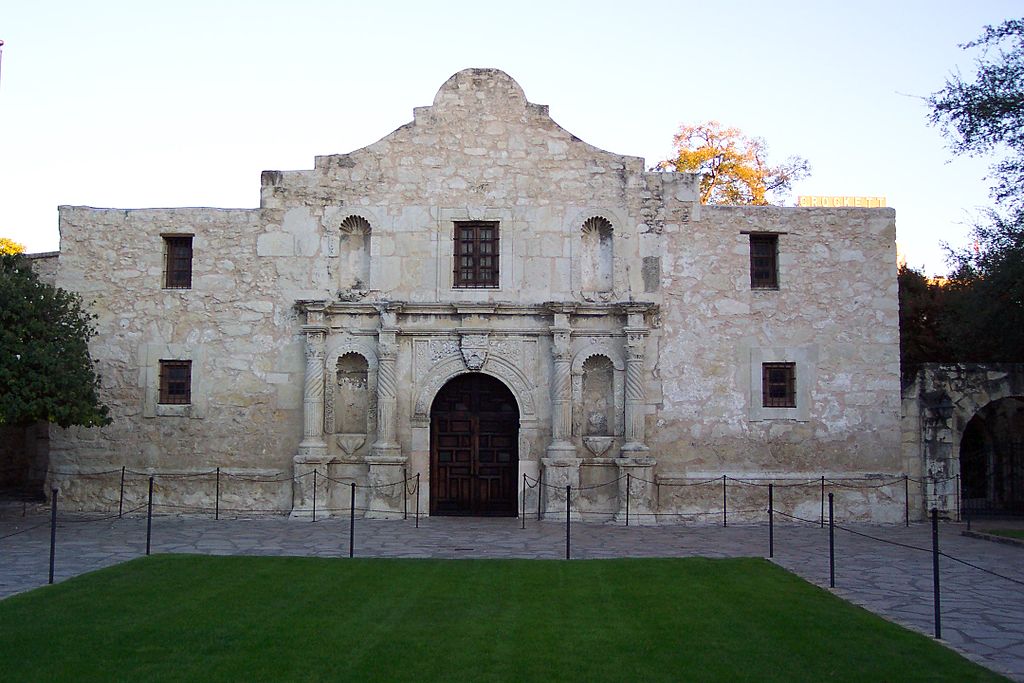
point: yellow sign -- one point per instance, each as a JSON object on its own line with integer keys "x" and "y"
{"x": 836, "y": 202}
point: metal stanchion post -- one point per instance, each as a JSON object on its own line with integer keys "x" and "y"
{"x": 935, "y": 571}
{"x": 627, "y": 498}
{"x": 53, "y": 529}
{"x": 405, "y": 493}
{"x": 352, "y": 521}
{"x": 417, "y": 500}
{"x": 823, "y": 501}
{"x": 568, "y": 496}
{"x": 958, "y": 497}
{"x": 216, "y": 513}
{"x": 314, "y": 494}
{"x": 831, "y": 544}
{"x": 149, "y": 516}
{"x": 906, "y": 500}
{"x": 725, "y": 507}
{"x": 771, "y": 522}
{"x": 120, "y": 500}
{"x": 540, "y": 491}
{"x": 522, "y": 505}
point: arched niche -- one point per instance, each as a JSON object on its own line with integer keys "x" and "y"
{"x": 354, "y": 253}
{"x": 350, "y": 397}
{"x": 598, "y": 391}
{"x": 597, "y": 255}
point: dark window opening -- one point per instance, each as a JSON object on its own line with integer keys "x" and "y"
{"x": 764, "y": 261}
{"x": 476, "y": 254}
{"x": 176, "y": 382}
{"x": 178, "y": 261}
{"x": 778, "y": 385}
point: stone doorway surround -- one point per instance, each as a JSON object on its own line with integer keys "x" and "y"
{"x": 938, "y": 405}
{"x": 413, "y": 349}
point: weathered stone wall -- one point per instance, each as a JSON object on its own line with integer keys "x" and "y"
{"x": 834, "y": 314}
{"x": 598, "y": 260}
{"x": 45, "y": 265}
{"x": 232, "y": 324}
{"x": 937, "y": 406}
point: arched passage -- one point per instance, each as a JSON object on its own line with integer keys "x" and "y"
{"x": 474, "y": 459}
{"x": 992, "y": 458}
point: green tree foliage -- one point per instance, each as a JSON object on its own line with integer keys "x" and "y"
{"x": 734, "y": 166}
{"x": 46, "y": 372}
{"x": 982, "y": 308}
{"x": 986, "y": 115}
{"x": 923, "y": 319}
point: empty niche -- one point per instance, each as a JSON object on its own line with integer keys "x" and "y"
{"x": 352, "y": 395}
{"x": 598, "y": 397}
{"x": 355, "y": 253}
{"x": 597, "y": 255}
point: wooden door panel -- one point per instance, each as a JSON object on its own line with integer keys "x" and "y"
{"x": 474, "y": 437}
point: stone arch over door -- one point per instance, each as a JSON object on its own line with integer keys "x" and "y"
{"x": 439, "y": 375}
{"x": 948, "y": 398}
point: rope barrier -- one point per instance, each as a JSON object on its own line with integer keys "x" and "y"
{"x": 22, "y": 531}
{"x": 116, "y": 515}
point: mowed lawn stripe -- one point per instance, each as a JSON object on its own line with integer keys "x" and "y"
{"x": 182, "y": 617}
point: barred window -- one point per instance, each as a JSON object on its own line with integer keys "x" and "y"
{"x": 764, "y": 261}
{"x": 778, "y": 385}
{"x": 176, "y": 382}
{"x": 177, "y": 261}
{"x": 476, "y": 254}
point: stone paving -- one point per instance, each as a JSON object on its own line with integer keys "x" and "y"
{"x": 982, "y": 615}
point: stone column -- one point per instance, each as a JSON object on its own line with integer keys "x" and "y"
{"x": 386, "y": 460}
{"x": 642, "y": 491}
{"x": 312, "y": 452}
{"x": 561, "y": 390}
{"x": 561, "y": 466}
{"x": 634, "y": 403}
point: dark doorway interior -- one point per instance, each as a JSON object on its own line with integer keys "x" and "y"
{"x": 474, "y": 455}
{"x": 992, "y": 459}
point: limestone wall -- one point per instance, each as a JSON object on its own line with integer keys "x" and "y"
{"x": 834, "y": 314}
{"x": 232, "y": 324}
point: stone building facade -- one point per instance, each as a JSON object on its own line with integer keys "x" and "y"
{"x": 479, "y": 296}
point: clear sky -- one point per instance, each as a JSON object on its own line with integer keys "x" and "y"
{"x": 146, "y": 104}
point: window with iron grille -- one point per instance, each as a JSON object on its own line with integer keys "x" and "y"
{"x": 778, "y": 385}
{"x": 764, "y": 261}
{"x": 476, "y": 254}
{"x": 177, "y": 261}
{"x": 176, "y": 382}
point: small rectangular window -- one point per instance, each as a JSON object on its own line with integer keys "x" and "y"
{"x": 176, "y": 382}
{"x": 764, "y": 261}
{"x": 476, "y": 254}
{"x": 177, "y": 261}
{"x": 778, "y": 385}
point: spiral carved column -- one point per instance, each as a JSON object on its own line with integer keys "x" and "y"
{"x": 634, "y": 390}
{"x": 385, "y": 459}
{"x": 313, "y": 395}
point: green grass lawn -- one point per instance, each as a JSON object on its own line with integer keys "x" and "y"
{"x": 181, "y": 617}
{"x": 1009, "y": 533}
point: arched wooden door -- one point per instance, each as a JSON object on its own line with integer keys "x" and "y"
{"x": 474, "y": 455}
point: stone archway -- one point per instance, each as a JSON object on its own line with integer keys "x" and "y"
{"x": 992, "y": 459}
{"x": 474, "y": 454}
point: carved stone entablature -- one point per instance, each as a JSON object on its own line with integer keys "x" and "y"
{"x": 474, "y": 350}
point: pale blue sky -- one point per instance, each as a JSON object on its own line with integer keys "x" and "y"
{"x": 134, "y": 104}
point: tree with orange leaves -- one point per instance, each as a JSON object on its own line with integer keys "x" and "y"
{"x": 733, "y": 166}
